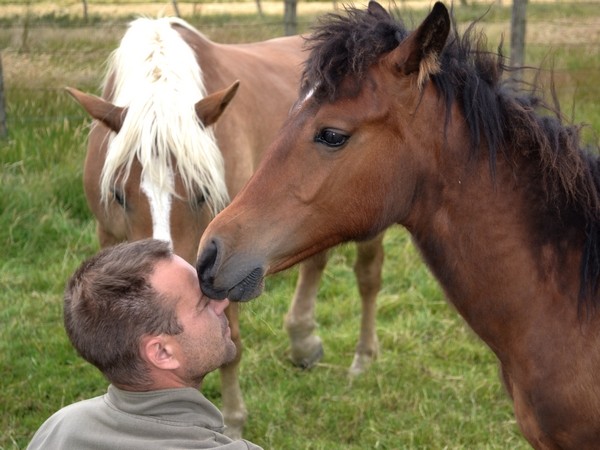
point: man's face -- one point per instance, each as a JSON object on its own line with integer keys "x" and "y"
{"x": 205, "y": 343}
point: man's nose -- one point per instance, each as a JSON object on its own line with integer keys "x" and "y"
{"x": 220, "y": 305}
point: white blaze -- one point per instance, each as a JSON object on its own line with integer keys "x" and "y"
{"x": 160, "y": 208}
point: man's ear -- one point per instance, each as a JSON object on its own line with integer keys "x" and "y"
{"x": 158, "y": 351}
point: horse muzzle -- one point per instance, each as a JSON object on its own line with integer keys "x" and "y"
{"x": 228, "y": 277}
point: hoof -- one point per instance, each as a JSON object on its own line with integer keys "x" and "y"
{"x": 360, "y": 364}
{"x": 309, "y": 355}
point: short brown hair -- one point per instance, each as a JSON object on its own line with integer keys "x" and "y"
{"x": 109, "y": 305}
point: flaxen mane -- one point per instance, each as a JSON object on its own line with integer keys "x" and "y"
{"x": 520, "y": 127}
{"x": 155, "y": 75}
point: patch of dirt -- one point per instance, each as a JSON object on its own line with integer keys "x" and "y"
{"x": 190, "y": 7}
{"x": 162, "y": 9}
{"x": 557, "y": 31}
{"x": 565, "y": 31}
{"x": 40, "y": 70}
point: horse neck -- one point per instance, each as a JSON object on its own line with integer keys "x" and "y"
{"x": 476, "y": 235}
{"x": 206, "y": 55}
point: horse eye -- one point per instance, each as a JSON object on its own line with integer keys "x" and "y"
{"x": 119, "y": 197}
{"x": 331, "y": 138}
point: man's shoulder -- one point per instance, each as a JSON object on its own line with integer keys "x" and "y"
{"x": 67, "y": 421}
{"x": 80, "y": 409}
{"x": 98, "y": 423}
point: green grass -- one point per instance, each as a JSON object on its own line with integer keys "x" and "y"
{"x": 434, "y": 386}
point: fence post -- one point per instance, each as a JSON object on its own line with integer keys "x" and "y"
{"x": 176, "y": 8}
{"x": 518, "y": 25}
{"x": 3, "y": 128}
{"x": 289, "y": 17}
{"x": 25, "y": 35}
{"x": 85, "y": 10}
{"x": 259, "y": 8}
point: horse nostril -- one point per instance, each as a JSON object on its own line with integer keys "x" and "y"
{"x": 205, "y": 265}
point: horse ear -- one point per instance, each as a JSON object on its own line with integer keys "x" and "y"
{"x": 111, "y": 115}
{"x": 420, "y": 51}
{"x": 210, "y": 108}
{"x": 376, "y": 10}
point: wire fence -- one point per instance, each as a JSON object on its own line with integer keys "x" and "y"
{"x": 19, "y": 43}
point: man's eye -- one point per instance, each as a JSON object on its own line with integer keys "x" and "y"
{"x": 331, "y": 138}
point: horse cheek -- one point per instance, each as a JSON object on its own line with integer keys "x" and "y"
{"x": 111, "y": 222}
{"x": 187, "y": 226}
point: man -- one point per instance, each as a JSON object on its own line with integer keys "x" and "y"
{"x": 136, "y": 312}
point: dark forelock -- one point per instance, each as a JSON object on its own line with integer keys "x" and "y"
{"x": 343, "y": 45}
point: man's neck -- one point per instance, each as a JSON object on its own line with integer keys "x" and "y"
{"x": 160, "y": 381}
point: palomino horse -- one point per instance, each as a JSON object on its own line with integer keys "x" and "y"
{"x": 155, "y": 166}
{"x": 417, "y": 128}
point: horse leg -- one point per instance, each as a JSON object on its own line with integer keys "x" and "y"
{"x": 367, "y": 268}
{"x": 306, "y": 348}
{"x": 234, "y": 409}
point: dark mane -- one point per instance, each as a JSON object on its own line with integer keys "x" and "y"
{"x": 347, "y": 45}
{"x": 516, "y": 125}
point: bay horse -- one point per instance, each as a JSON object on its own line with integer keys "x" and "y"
{"x": 158, "y": 164}
{"x": 418, "y": 128}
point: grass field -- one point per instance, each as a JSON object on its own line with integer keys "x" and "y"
{"x": 434, "y": 385}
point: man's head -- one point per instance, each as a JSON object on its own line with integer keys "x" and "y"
{"x": 136, "y": 312}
